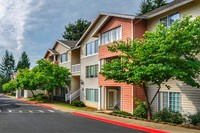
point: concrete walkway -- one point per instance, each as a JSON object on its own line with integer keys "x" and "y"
{"x": 164, "y": 127}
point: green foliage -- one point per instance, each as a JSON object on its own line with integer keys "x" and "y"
{"x": 141, "y": 109}
{"x": 76, "y": 30}
{"x": 167, "y": 53}
{"x": 23, "y": 62}
{"x": 51, "y": 76}
{"x": 195, "y": 119}
{"x": 10, "y": 86}
{"x": 78, "y": 103}
{"x": 122, "y": 113}
{"x": 7, "y": 67}
{"x": 169, "y": 116}
{"x": 149, "y": 5}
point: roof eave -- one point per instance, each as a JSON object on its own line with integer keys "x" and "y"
{"x": 169, "y": 8}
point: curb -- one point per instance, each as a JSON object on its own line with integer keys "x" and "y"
{"x": 32, "y": 102}
{"x": 132, "y": 126}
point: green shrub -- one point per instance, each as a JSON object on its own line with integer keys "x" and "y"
{"x": 122, "y": 113}
{"x": 168, "y": 116}
{"x": 78, "y": 103}
{"x": 195, "y": 119}
{"x": 140, "y": 110}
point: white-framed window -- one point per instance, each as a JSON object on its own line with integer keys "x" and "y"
{"x": 92, "y": 47}
{"x": 92, "y": 95}
{"x": 170, "y": 19}
{"x": 92, "y": 71}
{"x": 64, "y": 57}
{"x": 170, "y": 100}
{"x": 111, "y": 36}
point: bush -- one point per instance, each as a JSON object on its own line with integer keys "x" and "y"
{"x": 140, "y": 110}
{"x": 195, "y": 119}
{"x": 122, "y": 113}
{"x": 78, "y": 103}
{"x": 169, "y": 116}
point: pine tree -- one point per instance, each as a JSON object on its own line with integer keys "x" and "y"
{"x": 75, "y": 31}
{"x": 149, "y": 5}
{"x": 23, "y": 62}
{"x": 7, "y": 67}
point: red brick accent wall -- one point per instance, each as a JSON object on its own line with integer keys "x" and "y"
{"x": 130, "y": 29}
{"x": 139, "y": 28}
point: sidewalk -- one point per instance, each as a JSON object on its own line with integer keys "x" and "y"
{"x": 172, "y": 129}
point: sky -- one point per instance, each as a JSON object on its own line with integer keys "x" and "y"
{"x": 34, "y": 25}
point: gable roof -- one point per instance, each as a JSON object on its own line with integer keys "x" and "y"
{"x": 66, "y": 43}
{"x": 169, "y": 6}
{"x": 54, "y": 52}
{"x": 107, "y": 16}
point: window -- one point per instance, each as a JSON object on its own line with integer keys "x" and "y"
{"x": 111, "y": 36}
{"x": 92, "y": 95}
{"x": 91, "y": 71}
{"x": 92, "y": 48}
{"x": 170, "y": 100}
{"x": 64, "y": 57}
{"x": 170, "y": 19}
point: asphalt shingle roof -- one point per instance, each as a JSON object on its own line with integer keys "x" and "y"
{"x": 70, "y": 44}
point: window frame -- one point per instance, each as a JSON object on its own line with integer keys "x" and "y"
{"x": 92, "y": 71}
{"x": 107, "y": 37}
{"x": 168, "y": 17}
{"x": 93, "y": 48}
{"x": 161, "y": 101}
{"x": 66, "y": 57}
{"x": 91, "y": 94}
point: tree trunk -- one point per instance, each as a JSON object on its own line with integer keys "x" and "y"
{"x": 32, "y": 93}
{"x": 155, "y": 94}
{"x": 149, "y": 113}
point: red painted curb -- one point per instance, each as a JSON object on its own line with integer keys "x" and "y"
{"x": 146, "y": 129}
{"x": 32, "y": 102}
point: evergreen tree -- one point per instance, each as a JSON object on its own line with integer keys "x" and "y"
{"x": 23, "y": 62}
{"x": 76, "y": 30}
{"x": 149, "y": 5}
{"x": 7, "y": 67}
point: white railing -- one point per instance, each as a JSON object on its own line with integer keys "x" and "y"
{"x": 67, "y": 96}
{"x": 72, "y": 96}
{"x": 76, "y": 68}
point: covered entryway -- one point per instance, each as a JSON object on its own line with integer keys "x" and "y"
{"x": 113, "y": 98}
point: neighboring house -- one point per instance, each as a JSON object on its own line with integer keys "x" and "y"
{"x": 180, "y": 97}
{"x": 65, "y": 54}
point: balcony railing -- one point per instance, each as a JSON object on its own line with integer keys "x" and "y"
{"x": 76, "y": 68}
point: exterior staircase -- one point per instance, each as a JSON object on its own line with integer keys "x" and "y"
{"x": 69, "y": 97}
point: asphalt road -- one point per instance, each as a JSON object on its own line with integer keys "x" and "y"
{"x": 20, "y": 117}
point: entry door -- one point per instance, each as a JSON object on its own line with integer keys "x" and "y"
{"x": 112, "y": 99}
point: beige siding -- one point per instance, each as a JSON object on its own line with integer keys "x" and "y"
{"x": 86, "y": 61}
{"x": 190, "y": 102}
{"x": 191, "y": 8}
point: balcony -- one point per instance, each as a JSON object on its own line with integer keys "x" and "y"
{"x": 76, "y": 68}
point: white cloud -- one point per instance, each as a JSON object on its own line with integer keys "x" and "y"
{"x": 14, "y": 15}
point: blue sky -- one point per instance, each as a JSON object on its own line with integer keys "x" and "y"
{"x": 34, "y": 25}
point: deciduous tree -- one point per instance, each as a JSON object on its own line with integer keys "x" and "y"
{"x": 167, "y": 53}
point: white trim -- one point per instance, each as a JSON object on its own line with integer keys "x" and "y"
{"x": 99, "y": 98}
{"x": 62, "y": 44}
{"x": 65, "y": 62}
{"x": 169, "y": 8}
{"x": 89, "y": 55}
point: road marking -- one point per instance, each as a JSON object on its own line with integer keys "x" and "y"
{"x": 51, "y": 111}
{"x": 30, "y": 111}
{"x": 41, "y": 111}
{"x": 20, "y": 111}
{"x": 9, "y": 111}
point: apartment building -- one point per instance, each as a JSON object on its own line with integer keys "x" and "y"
{"x": 64, "y": 53}
{"x": 180, "y": 97}
{"x": 86, "y": 57}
